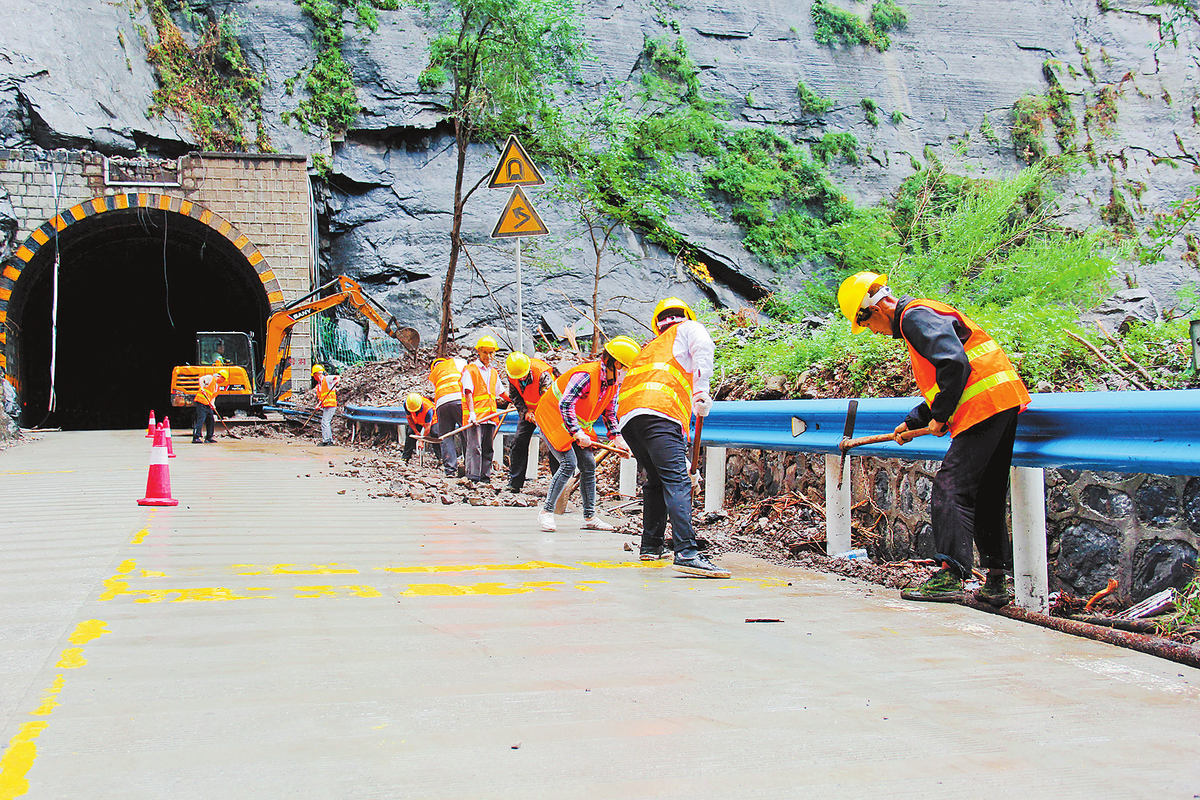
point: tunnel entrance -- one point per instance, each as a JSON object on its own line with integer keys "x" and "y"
{"x": 134, "y": 287}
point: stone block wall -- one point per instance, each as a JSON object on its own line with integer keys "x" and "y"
{"x": 1143, "y": 530}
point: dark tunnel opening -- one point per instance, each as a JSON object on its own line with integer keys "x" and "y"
{"x": 134, "y": 288}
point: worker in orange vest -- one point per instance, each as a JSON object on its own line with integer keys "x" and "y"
{"x": 421, "y": 416}
{"x": 575, "y": 401}
{"x": 446, "y": 376}
{"x": 326, "y": 401}
{"x": 665, "y": 386}
{"x": 481, "y": 391}
{"x": 528, "y": 381}
{"x": 206, "y": 405}
{"x": 972, "y": 392}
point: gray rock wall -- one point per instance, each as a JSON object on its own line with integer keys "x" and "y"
{"x": 1143, "y": 530}
{"x": 79, "y": 78}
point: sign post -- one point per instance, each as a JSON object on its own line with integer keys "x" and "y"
{"x": 518, "y": 219}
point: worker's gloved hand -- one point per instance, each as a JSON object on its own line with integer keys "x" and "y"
{"x": 619, "y": 442}
{"x": 702, "y": 403}
{"x": 901, "y": 434}
{"x": 529, "y": 416}
{"x": 471, "y": 418}
{"x": 938, "y": 428}
{"x": 582, "y": 439}
{"x": 695, "y": 476}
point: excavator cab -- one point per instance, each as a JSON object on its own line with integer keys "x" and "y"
{"x": 233, "y": 351}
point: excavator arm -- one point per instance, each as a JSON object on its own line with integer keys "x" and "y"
{"x": 276, "y": 352}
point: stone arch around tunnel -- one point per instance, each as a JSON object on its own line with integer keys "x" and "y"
{"x": 122, "y": 233}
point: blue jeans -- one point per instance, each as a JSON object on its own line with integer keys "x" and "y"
{"x": 660, "y": 450}
{"x": 574, "y": 457}
{"x": 204, "y": 422}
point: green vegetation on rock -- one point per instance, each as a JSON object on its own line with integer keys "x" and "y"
{"x": 209, "y": 84}
{"x": 835, "y": 25}
{"x": 811, "y": 102}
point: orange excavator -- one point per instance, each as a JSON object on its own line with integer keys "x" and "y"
{"x": 251, "y": 390}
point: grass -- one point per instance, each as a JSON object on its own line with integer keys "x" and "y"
{"x": 811, "y": 102}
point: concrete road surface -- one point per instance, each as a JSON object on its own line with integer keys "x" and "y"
{"x": 279, "y": 635}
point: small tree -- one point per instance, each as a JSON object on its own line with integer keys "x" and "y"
{"x": 498, "y": 56}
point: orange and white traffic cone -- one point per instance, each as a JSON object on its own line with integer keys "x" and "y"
{"x": 170, "y": 448}
{"x": 150, "y": 426}
{"x": 158, "y": 479}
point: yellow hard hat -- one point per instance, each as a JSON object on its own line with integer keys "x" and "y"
{"x": 486, "y": 343}
{"x": 224, "y": 375}
{"x": 670, "y": 303}
{"x": 412, "y": 403}
{"x": 853, "y": 292}
{"x": 517, "y": 365}
{"x": 317, "y": 368}
{"x": 623, "y": 349}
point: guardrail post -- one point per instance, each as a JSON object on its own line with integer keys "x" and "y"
{"x": 498, "y": 449}
{"x": 837, "y": 506}
{"x": 627, "y": 483}
{"x": 1030, "y": 581}
{"x": 531, "y": 465}
{"x": 714, "y": 479}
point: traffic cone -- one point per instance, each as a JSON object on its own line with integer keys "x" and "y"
{"x": 170, "y": 448}
{"x": 158, "y": 479}
{"x": 150, "y": 426}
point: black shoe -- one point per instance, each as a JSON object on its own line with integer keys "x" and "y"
{"x": 700, "y": 567}
{"x": 515, "y": 489}
{"x": 197, "y": 441}
{"x": 655, "y": 555}
{"x": 210, "y": 441}
{"x": 996, "y": 591}
{"x": 325, "y": 444}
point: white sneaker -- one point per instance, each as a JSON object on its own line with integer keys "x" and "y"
{"x": 597, "y": 524}
{"x": 546, "y": 520}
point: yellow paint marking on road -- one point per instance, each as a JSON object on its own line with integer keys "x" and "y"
{"x": 472, "y": 567}
{"x": 87, "y": 631}
{"x": 153, "y": 573}
{"x": 114, "y": 586}
{"x": 49, "y": 703}
{"x": 625, "y": 564}
{"x": 71, "y": 658}
{"x": 140, "y": 536}
{"x": 292, "y": 569}
{"x": 18, "y": 759}
{"x": 200, "y": 594}
{"x": 493, "y": 589}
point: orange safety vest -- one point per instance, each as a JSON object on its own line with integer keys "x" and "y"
{"x": 993, "y": 385}
{"x": 528, "y": 386}
{"x": 483, "y": 396}
{"x": 209, "y": 389}
{"x": 446, "y": 379}
{"x": 657, "y": 381}
{"x": 326, "y": 393}
{"x": 588, "y": 408}
{"x": 424, "y": 417}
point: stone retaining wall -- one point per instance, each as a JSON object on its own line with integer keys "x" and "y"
{"x": 1143, "y": 530}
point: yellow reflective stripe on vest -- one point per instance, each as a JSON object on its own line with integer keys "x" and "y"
{"x": 982, "y": 350}
{"x": 685, "y": 408}
{"x": 980, "y": 386}
{"x": 665, "y": 366}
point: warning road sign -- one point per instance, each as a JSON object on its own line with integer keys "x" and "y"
{"x": 515, "y": 168}
{"x": 519, "y": 218}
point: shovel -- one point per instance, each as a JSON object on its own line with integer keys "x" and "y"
{"x": 479, "y": 421}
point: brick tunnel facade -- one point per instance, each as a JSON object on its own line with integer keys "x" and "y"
{"x": 116, "y": 264}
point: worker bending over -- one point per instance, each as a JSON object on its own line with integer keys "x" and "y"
{"x": 668, "y": 382}
{"x": 576, "y": 400}
{"x": 206, "y": 404}
{"x": 528, "y": 381}
{"x": 326, "y": 401}
{"x": 971, "y": 391}
{"x": 446, "y": 376}
{"x": 421, "y": 417}
{"x": 480, "y": 391}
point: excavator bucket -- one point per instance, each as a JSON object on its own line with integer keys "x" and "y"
{"x": 409, "y": 338}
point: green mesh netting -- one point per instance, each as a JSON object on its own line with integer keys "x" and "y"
{"x": 331, "y": 345}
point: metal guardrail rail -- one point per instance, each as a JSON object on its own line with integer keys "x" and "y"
{"x": 1152, "y": 432}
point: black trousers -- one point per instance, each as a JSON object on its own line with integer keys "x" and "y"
{"x": 660, "y": 450}
{"x": 970, "y": 494}
{"x": 204, "y": 420}
{"x": 518, "y": 455}
{"x": 450, "y": 417}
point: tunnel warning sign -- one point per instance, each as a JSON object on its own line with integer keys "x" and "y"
{"x": 515, "y": 168}
{"x": 518, "y": 218}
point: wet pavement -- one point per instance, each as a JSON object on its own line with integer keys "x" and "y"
{"x": 281, "y": 634}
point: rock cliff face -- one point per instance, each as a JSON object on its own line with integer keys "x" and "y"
{"x": 947, "y": 85}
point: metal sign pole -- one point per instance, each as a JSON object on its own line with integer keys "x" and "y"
{"x": 520, "y": 322}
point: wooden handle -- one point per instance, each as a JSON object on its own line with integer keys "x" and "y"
{"x": 488, "y": 418}
{"x": 613, "y": 449}
{"x": 846, "y": 444}
{"x": 695, "y": 465}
